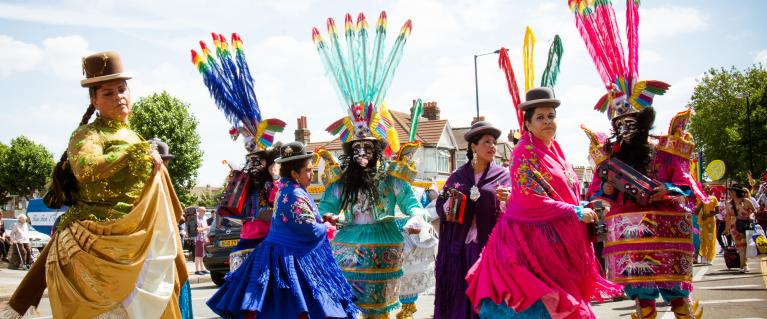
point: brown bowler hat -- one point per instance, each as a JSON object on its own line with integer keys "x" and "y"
{"x": 101, "y": 67}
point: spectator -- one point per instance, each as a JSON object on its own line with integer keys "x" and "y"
{"x": 20, "y": 239}
{"x": 199, "y": 242}
{"x": 3, "y": 242}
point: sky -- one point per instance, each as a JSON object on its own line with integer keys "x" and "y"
{"x": 42, "y": 43}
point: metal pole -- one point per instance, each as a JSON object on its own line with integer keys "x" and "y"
{"x": 476, "y": 85}
{"x": 748, "y": 126}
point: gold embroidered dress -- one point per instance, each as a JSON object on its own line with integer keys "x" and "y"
{"x": 117, "y": 251}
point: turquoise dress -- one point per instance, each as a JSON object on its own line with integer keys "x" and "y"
{"x": 369, "y": 245}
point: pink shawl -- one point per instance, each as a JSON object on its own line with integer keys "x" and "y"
{"x": 539, "y": 250}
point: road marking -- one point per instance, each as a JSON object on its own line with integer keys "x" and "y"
{"x": 763, "y": 262}
{"x": 738, "y": 276}
{"x": 716, "y": 302}
{"x": 701, "y": 272}
{"x": 727, "y": 287}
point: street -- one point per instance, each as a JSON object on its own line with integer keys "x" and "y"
{"x": 722, "y": 293}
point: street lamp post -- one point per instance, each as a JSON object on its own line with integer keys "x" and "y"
{"x": 476, "y": 83}
{"x": 748, "y": 128}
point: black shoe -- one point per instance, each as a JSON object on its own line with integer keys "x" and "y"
{"x": 205, "y": 272}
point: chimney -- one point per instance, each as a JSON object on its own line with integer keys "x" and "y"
{"x": 431, "y": 111}
{"x": 475, "y": 120}
{"x": 302, "y": 133}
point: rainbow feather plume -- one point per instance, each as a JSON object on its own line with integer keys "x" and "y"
{"x": 266, "y": 131}
{"x": 228, "y": 79}
{"x": 360, "y": 72}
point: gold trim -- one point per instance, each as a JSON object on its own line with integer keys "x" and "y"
{"x": 665, "y": 278}
{"x": 371, "y": 271}
{"x": 367, "y": 245}
{"x": 652, "y": 212}
{"x": 650, "y": 251}
{"x": 650, "y": 241}
{"x": 373, "y": 281}
{"x": 376, "y": 306}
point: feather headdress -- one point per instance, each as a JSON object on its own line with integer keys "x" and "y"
{"x": 361, "y": 76}
{"x": 228, "y": 79}
{"x": 595, "y": 20}
{"x": 549, "y": 77}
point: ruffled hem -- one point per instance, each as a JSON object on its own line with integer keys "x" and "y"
{"x": 552, "y": 262}
{"x": 274, "y": 279}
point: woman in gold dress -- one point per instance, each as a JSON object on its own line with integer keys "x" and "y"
{"x": 116, "y": 252}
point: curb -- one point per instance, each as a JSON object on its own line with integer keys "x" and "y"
{"x": 193, "y": 279}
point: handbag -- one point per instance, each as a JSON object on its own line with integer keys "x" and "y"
{"x": 233, "y": 200}
{"x": 456, "y": 206}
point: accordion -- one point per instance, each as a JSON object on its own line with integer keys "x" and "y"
{"x": 627, "y": 180}
{"x": 456, "y": 206}
{"x": 233, "y": 200}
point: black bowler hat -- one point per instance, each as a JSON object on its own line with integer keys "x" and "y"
{"x": 162, "y": 148}
{"x": 541, "y": 96}
{"x": 481, "y": 128}
{"x": 292, "y": 151}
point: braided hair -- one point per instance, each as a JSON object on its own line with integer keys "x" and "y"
{"x": 63, "y": 187}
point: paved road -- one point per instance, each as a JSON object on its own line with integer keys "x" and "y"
{"x": 723, "y": 294}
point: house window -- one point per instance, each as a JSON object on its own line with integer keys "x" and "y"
{"x": 443, "y": 161}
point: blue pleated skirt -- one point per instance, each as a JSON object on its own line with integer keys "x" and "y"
{"x": 280, "y": 282}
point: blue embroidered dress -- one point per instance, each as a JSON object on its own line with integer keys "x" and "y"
{"x": 292, "y": 271}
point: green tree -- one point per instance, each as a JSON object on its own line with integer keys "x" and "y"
{"x": 166, "y": 117}
{"x": 3, "y": 192}
{"x": 719, "y": 125}
{"x": 210, "y": 198}
{"x": 25, "y": 167}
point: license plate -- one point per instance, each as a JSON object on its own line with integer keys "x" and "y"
{"x": 228, "y": 243}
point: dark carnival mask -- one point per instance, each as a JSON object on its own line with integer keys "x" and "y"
{"x": 626, "y": 128}
{"x": 254, "y": 163}
{"x": 362, "y": 152}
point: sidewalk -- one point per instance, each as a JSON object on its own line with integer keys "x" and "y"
{"x": 10, "y": 279}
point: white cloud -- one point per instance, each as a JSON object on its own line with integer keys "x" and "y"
{"x": 59, "y": 55}
{"x": 17, "y": 56}
{"x": 761, "y": 57}
{"x": 75, "y": 16}
{"x": 650, "y": 56}
{"x": 669, "y": 21}
{"x": 63, "y": 55}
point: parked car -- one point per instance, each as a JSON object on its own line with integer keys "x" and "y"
{"x": 37, "y": 240}
{"x": 223, "y": 236}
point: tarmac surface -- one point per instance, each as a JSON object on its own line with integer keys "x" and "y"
{"x": 722, "y": 293}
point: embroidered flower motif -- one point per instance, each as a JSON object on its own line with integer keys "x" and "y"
{"x": 302, "y": 211}
{"x": 284, "y": 219}
{"x": 530, "y": 176}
